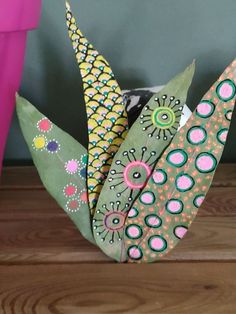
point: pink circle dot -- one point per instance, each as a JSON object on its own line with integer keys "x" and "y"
{"x": 205, "y": 163}
{"x": 133, "y": 231}
{"x": 158, "y": 177}
{"x": 229, "y": 115}
{"x": 226, "y": 90}
{"x": 184, "y": 182}
{"x": 139, "y": 165}
{"x": 157, "y": 243}
{"x": 199, "y": 200}
{"x": 174, "y": 206}
{"x": 204, "y": 108}
{"x": 196, "y": 135}
{"x": 72, "y": 166}
{"x": 147, "y": 198}
{"x": 70, "y": 190}
{"x": 154, "y": 221}
{"x": 135, "y": 253}
{"x": 132, "y": 213}
{"x": 176, "y": 158}
{"x": 180, "y": 231}
{"x": 223, "y": 136}
{"x": 44, "y": 125}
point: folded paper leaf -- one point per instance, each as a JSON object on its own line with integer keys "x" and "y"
{"x": 135, "y": 160}
{"x": 107, "y": 119}
{"x": 61, "y": 162}
{"x": 162, "y": 214}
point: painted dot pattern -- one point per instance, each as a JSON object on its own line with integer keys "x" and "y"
{"x": 70, "y": 190}
{"x": 174, "y": 206}
{"x": 198, "y": 200}
{"x": 159, "y": 177}
{"x": 153, "y": 221}
{"x": 135, "y": 253}
{"x": 147, "y": 198}
{"x": 53, "y": 146}
{"x": 197, "y": 135}
{"x": 177, "y": 157}
{"x": 44, "y": 125}
{"x": 184, "y": 182}
{"x": 39, "y": 142}
{"x": 133, "y": 165}
{"x": 134, "y": 231}
{"x": 205, "y": 109}
{"x": 180, "y": 231}
{"x": 222, "y": 136}
{"x": 180, "y": 196}
{"x": 72, "y": 166}
{"x": 226, "y": 90}
{"x": 206, "y": 162}
{"x": 163, "y": 117}
{"x": 157, "y": 243}
{"x": 133, "y": 212}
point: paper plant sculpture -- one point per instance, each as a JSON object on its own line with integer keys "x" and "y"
{"x": 135, "y": 191}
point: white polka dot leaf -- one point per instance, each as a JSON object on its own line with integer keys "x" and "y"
{"x": 134, "y": 193}
{"x": 61, "y": 162}
{"x": 133, "y": 164}
{"x": 165, "y": 209}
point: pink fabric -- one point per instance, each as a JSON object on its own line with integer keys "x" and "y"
{"x": 16, "y": 17}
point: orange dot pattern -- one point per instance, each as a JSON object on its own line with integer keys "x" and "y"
{"x": 179, "y": 194}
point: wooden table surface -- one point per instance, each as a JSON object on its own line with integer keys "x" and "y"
{"x": 47, "y": 267}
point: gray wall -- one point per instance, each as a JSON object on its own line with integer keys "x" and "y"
{"x": 147, "y": 42}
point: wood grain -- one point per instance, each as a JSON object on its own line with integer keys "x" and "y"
{"x": 47, "y": 267}
{"x": 27, "y": 177}
{"x": 220, "y": 201}
{"x": 191, "y": 288}
{"x": 58, "y": 241}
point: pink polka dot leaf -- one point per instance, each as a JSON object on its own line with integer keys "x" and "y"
{"x": 182, "y": 177}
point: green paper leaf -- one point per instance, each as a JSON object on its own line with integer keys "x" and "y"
{"x": 61, "y": 162}
{"x": 107, "y": 119}
{"x": 135, "y": 160}
{"x": 165, "y": 209}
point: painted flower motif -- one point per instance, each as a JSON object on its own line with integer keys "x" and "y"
{"x": 39, "y": 142}
{"x": 110, "y": 227}
{"x": 131, "y": 174}
{"x": 162, "y": 121}
{"x": 44, "y": 125}
{"x": 74, "y": 166}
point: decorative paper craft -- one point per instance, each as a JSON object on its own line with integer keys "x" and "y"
{"x": 135, "y": 160}
{"x": 107, "y": 119}
{"x": 162, "y": 214}
{"x": 161, "y": 172}
{"x": 61, "y": 162}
